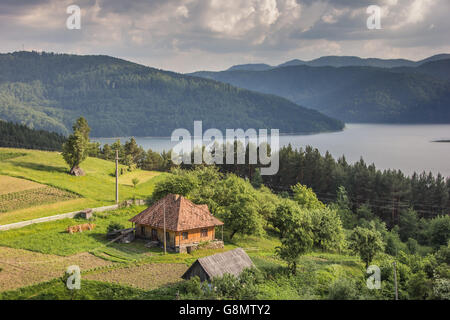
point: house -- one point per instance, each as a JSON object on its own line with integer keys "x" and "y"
{"x": 187, "y": 224}
{"x": 232, "y": 262}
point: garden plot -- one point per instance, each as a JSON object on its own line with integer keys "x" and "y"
{"x": 146, "y": 276}
{"x": 20, "y": 268}
{"x": 16, "y": 193}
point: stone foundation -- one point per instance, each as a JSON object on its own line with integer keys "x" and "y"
{"x": 186, "y": 248}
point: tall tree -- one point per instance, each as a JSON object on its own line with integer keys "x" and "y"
{"x": 76, "y": 148}
{"x": 366, "y": 243}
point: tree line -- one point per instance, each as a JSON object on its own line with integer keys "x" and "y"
{"x": 15, "y": 135}
{"x": 388, "y": 195}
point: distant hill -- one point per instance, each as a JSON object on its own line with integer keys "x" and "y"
{"x": 14, "y": 135}
{"x": 436, "y": 68}
{"x": 251, "y": 67}
{"x": 356, "y": 94}
{"x": 119, "y": 98}
{"x": 343, "y": 61}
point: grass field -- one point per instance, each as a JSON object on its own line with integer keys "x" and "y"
{"x": 90, "y": 290}
{"x": 11, "y": 184}
{"x": 97, "y": 188}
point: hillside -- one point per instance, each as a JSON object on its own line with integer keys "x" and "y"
{"x": 355, "y": 94}
{"x": 48, "y": 169}
{"x": 119, "y": 98}
{"x": 439, "y": 69}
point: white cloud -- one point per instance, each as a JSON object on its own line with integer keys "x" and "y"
{"x": 186, "y": 35}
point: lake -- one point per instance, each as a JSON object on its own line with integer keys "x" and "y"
{"x": 406, "y": 147}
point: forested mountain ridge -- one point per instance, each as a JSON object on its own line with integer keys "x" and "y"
{"x": 119, "y": 98}
{"x": 356, "y": 94}
{"x": 342, "y": 61}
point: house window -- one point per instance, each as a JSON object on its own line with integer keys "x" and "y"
{"x": 204, "y": 233}
{"x": 167, "y": 237}
{"x": 185, "y": 235}
{"x": 143, "y": 230}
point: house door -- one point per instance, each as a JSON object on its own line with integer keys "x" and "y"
{"x": 154, "y": 235}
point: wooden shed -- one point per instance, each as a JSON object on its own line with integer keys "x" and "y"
{"x": 232, "y": 262}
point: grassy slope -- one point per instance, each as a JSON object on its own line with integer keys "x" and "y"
{"x": 97, "y": 188}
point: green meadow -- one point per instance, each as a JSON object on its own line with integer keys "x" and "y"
{"x": 96, "y": 188}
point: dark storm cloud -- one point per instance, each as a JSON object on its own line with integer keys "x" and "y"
{"x": 185, "y": 35}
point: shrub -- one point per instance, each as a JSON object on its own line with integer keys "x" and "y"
{"x": 412, "y": 245}
{"x": 343, "y": 289}
{"x": 440, "y": 231}
{"x": 245, "y": 286}
{"x": 115, "y": 226}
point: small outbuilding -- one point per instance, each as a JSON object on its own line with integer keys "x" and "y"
{"x": 216, "y": 265}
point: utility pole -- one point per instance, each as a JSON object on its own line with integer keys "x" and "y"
{"x": 395, "y": 281}
{"x": 164, "y": 214}
{"x": 117, "y": 176}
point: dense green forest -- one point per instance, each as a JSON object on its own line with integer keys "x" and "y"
{"x": 388, "y": 195}
{"x": 303, "y": 224}
{"x": 120, "y": 98}
{"x": 356, "y": 94}
{"x": 13, "y": 135}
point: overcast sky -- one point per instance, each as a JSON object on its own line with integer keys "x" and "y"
{"x": 191, "y": 35}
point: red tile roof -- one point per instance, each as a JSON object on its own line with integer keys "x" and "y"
{"x": 181, "y": 214}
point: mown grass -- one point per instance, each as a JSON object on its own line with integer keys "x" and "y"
{"x": 96, "y": 188}
{"x": 52, "y": 237}
{"x": 10, "y": 184}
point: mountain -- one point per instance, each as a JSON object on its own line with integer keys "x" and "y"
{"x": 119, "y": 98}
{"x": 347, "y": 61}
{"x": 251, "y": 67}
{"x": 437, "y": 57}
{"x": 343, "y": 61}
{"x": 356, "y": 94}
{"x": 436, "y": 68}
{"x": 295, "y": 62}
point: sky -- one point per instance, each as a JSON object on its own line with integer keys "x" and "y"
{"x": 192, "y": 35}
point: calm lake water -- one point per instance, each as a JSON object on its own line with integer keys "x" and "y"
{"x": 406, "y": 147}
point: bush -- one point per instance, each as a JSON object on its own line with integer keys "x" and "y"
{"x": 343, "y": 289}
{"x": 441, "y": 288}
{"x": 243, "y": 287}
{"x": 418, "y": 286}
{"x": 412, "y": 245}
{"x": 113, "y": 226}
{"x": 440, "y": 231}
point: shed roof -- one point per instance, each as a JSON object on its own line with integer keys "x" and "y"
{"x": 232, "y": 262}
{"x": 181, "y": 214}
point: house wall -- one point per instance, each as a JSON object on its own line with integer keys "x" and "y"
{"x": 194, "y": 236}
{"x": 147, "y": 234}
{"x": 176, "y": 238}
